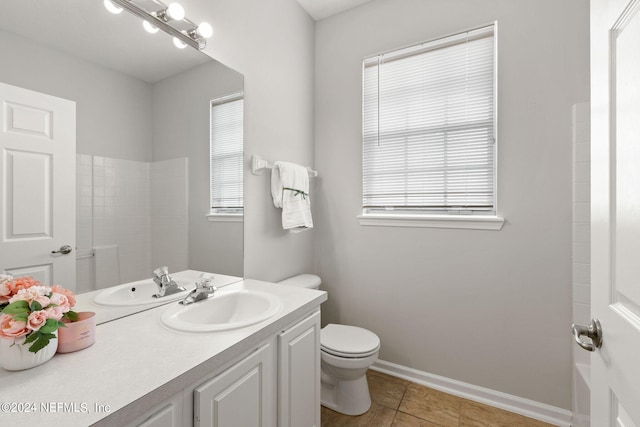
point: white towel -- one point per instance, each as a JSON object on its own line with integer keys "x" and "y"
{"x": 107, "y": 266}
{"x": 290, "y": 191}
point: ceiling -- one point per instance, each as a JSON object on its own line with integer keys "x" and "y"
{"x": 320, "y": 9}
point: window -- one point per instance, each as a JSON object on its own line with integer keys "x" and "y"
{"x": 429, "y": 130}
{"x": 226, "y": 148}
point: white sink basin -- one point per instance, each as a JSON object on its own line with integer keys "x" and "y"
{"x": 223, "y": 311}
{"x": 140, "y": 293}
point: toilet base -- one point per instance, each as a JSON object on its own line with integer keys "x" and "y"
{"x": 349, "y": 397}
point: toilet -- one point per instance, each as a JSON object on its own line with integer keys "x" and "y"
{"x": 346, "y": 354}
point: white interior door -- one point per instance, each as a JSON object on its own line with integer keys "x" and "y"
{"x": 615, "y": 212}
{"x": 37, "y": 185}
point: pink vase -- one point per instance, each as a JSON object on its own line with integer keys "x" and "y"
{"x": 77, "y": 335}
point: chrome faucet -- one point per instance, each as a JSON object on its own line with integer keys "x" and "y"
{"x": 166, "y": 285}
{"x": 203, "y": 290}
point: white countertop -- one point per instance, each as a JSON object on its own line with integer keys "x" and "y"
{"x": 133, "y": 357}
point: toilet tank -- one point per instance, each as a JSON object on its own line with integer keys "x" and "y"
{"x": 310, "y": 281}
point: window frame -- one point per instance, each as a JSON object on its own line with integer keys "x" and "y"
{"x": 439, "y": 217}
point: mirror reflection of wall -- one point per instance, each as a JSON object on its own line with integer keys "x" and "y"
{"x": 183, "y": 109}
{"x": 142, "y": 195}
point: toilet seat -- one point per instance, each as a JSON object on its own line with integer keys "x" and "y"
{"x": 349, "y": 355}
{"x": 348, "y": 341}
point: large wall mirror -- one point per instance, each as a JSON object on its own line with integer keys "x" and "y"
{"x": 142, "y": 131}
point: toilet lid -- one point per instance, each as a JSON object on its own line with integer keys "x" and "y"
{"x": 348, "y": 341}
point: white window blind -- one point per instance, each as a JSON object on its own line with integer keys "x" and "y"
{"x": 428, "y": 127}
{"x": 226, "y": 150}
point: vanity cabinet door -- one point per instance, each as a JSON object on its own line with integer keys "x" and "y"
{"x": 299, "y": 374}
{"x": 240, "y": 396}
{"x": 167, "y": 414}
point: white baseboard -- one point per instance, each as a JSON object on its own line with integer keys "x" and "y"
{"x": 528, "y": 408}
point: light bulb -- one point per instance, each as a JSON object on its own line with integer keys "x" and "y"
{"x": 175, "y": 11}
{"x": 178, "y": 43}
{"x": 149, "y": 27}
{"x": 205, "y": 30}
{"x": 112, "y": 7}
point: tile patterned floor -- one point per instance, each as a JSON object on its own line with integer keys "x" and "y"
{"x": 400, "y": 403}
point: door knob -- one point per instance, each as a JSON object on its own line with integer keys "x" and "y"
{"x": 593, "y": 331}
{"x": 64, "y": 250}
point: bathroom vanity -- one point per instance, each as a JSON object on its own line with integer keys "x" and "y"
{"x": 143, "y": 373}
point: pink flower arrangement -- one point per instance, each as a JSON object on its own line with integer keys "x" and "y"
{"x": 33, "y": 310}
{"x": 10, "y": 286}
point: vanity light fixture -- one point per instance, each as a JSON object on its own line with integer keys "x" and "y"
{"x": 172, "y": 12}
{"x": 149, "y": 28}
{"x": 203, "y": 30}
{"x": 177, "y": 43}
{"x": 112, "y": 7}
{"x": 171, "y": 19}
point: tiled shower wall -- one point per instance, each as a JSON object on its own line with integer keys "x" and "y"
{"x": 115, "y": 218}
{"x": 581, "y": 220}
{"x": 581, "y": 258}
{"x": 84, "y": 223}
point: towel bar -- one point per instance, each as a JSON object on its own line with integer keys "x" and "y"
{"x": 258, "y": 163}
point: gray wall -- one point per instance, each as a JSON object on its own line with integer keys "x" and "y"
{"x": 272, "y": 44}
{"x": 113, "y": 114}
{"x": 184, "y": 132}
{"x": 490, "y": 308}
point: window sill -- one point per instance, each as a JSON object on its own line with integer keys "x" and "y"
{"x": 225, "y": 217}
{"x": 433, "y": 221}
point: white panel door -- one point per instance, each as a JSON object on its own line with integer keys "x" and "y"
{"x": 615, "y": 211}
{"x": 37, "y": 185}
